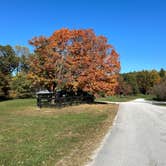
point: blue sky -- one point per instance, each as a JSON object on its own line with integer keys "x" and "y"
{"x": 136, "y": 28}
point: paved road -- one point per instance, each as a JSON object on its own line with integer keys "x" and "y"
{"x": 138, "y": 137}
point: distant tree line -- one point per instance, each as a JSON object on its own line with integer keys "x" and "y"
{"x": 143, "y": 82}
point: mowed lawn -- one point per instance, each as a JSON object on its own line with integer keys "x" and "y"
{"x": 64, "y": 136}
{"x": 125, "y": 98}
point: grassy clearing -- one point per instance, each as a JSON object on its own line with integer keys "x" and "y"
{"x": 124, "y": 98}
{"x": 59, "y": 137}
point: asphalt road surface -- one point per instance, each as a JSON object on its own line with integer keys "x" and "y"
{"x": 138, "y": 137}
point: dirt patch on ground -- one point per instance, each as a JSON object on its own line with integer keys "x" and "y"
{"x": 82, "y": 108}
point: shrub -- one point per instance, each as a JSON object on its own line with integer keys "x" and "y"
{"x": 159, "y": 90}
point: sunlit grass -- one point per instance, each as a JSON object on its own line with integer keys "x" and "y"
{"x": 63, "y": 136}
{"x": 124, "y": 98}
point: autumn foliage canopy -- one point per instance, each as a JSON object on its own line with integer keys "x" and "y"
{"x": 75, "y": 60}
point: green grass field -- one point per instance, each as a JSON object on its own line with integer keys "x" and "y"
{"x": 124, "y": 98}
{"x": 63, "y": 136}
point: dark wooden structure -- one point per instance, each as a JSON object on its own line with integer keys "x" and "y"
{"x": 62, "y": 98}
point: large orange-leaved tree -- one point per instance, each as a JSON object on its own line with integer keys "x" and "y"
{"x": 75, "y": 60}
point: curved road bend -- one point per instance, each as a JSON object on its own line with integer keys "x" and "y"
{"x": 138, "y": 137}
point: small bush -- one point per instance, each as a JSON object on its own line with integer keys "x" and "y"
{"x": 159, "y": 90}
